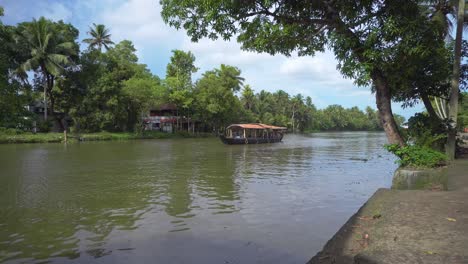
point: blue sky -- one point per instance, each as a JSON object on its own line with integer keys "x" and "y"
{"x": 140, "y": 22}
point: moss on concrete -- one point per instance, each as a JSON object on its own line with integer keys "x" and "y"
{"x": 420, "y": 179}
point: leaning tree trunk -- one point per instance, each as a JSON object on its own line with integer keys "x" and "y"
{"x": 383, "y": 100}
{"x": 382, "y": 90}
{"x": 428, "y": 105}
{"x": 453, "y": 101}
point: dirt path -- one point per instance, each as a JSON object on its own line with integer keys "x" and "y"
{"x": 397, "y": 226}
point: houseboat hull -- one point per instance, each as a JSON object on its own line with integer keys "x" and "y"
{"x": 243, "y": 141}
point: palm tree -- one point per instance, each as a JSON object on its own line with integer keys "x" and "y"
{"x": 48, "y": 53}
{"x": 440, "y": 10}
{"x": 100, "y": 36}
{"x": 248, "y": 97}
{"x": 296, "y": 101}
{"x": 454, "y": 91}
{"x": 231, "y": 77}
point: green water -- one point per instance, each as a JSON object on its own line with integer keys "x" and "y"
{"x": 184, "y": 200}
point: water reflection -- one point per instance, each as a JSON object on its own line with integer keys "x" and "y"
{"x": 125, "y": 201}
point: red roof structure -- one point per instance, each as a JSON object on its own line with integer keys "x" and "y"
{"x": 256, "y": 126}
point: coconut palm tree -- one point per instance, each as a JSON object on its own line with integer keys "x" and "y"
{"x": 49, "y": 53}
{"x": 441, "y": 11}
{"x": 100, "y": 36}
{"x": 248, "y": 97}
{"x": 454, "y": 91}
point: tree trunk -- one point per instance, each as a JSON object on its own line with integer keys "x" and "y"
{"x": 46, "y": 89}
{"x": 52, "y": 113}
{"x": 177, "y": 121}
{"x": 52, "y": 102}
{"x": 292, "y": 120}
{"x": 428, "y": 105}
{"x": 383, "y": 100}
{"x": 382, "y": 91}
{"x": 45, "y": 102}
{"x": 453, "y": 101}
{"x": 188, "y": 122}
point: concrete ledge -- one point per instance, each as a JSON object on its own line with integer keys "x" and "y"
{"x": 420, "y": 179}
{"x": 405, "y": 256}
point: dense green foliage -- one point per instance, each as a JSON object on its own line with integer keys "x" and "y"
{"x": 109, "y": 90}
{"x": 14, "y": 94}
{"x": 415, "y": 156}
{"x": 300, "y": 114}
{"x": 426, "y": 131}
{"x": 51, "y": 47}
{"x": 463, "y": 111}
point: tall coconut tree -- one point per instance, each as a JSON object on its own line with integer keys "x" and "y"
{"x": 442, "y": 11}
{"x": 248, "y": 98}
{"x": 100, "y": 37}
{"x": 49, "y": 52}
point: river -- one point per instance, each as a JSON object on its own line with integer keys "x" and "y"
{"x": 184, "y": 200}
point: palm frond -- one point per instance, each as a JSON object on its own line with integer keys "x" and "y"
{"x": 68, "y": 48}
{"x": 29, "y": 64}
{"x": 59, "y": 59}
{"x": 88, "y": 40}
{"x": 46, "y": 40}
{"x": 53, "y": 68}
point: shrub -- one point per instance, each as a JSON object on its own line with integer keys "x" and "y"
{"x": 10, "y": 131}
{"x": 426, "y": 131}
{"x": 44, "y": 126}
{"x": 417, "y": 156}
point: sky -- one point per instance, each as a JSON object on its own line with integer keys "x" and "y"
{"x": 140, "y": 21}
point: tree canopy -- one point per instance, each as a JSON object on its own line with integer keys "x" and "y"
{"x": 376, "y": 44}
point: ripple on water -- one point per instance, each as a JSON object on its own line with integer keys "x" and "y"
{"x": 92, "y": 201}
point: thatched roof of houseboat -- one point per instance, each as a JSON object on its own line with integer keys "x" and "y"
{"x": 256, "y": 126}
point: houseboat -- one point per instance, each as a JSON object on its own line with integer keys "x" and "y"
{"x": 252, "y": 134}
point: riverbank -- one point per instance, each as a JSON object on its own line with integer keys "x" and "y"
{"x": 100, "y": 136}
{"x": 397, "y": 226}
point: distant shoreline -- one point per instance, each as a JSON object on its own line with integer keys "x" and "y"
{"x": 55, "y": 137}
{"x": 99, "y": 136}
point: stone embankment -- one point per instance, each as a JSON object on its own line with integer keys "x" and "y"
{"x": 407, "y": 226}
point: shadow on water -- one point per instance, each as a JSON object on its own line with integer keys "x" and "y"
{"x": 184, "y": 201}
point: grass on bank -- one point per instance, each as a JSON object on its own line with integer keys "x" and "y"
{"x": 28, "y": 137}
{"x": 31, "y": 138}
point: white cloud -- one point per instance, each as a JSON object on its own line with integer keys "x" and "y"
{"x": 226, "y": 52}
{"x": 139, "y": 21}
{"x": 321, "y": 69}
